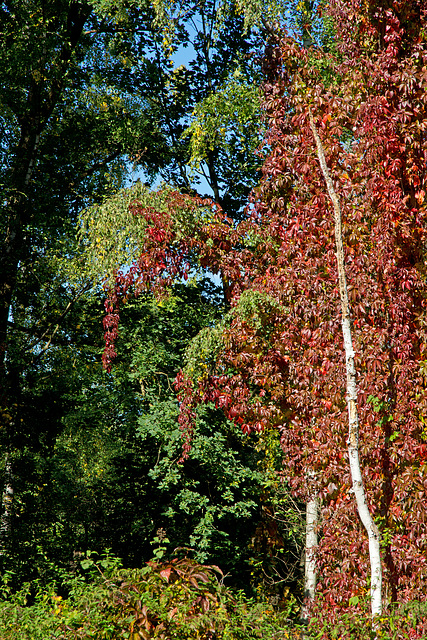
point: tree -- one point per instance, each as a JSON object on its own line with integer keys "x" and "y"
{"x": 68, "y": 121}
{"x": 209, "y": 107}
{"x": 358, "y": 486}
{"x": 296, "y": 270}
{"x": 274, "y": 360}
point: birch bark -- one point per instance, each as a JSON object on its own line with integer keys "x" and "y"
{"x": 353, "y": 419}
{"x": 312, "y": 516}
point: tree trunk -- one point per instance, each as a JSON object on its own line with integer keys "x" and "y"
{"x": 312, "y": 516}
{"x": 7, "y": 504}
{"x": 353, "y": 419}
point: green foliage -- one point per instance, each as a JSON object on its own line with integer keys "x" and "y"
{"x": 110, "y": 234}
{"x": 222, "y": 72}
{"x": 213, "y": 494}
{"x": 74, "y": 463}
{"x": 228, "y": 119}
{"x": 278, "y": 544}
{"x": 96, "y": 459}
{"x": 201, "y": 353}
{"x": 253, "y": 308}
{"x": 209, "y": 502}
{"x": 256, "y": 12}
{"x": 178, "y": 599}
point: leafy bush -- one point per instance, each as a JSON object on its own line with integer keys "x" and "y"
{"x": 175, "y": 600}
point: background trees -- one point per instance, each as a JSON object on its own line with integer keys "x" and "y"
{"x": 91, "y": 457}
{"x": 63, "y": 144}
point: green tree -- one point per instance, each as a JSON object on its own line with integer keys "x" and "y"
{"x": 99, "y": 464}
{"x": 207, "y": 108}
{"x": 68, "y": 122}
{"x": 84, "y": 92}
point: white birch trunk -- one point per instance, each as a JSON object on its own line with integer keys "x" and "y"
{"x": 353, "y": 419}
{"x": 312, "y": 511}
{"x": 311, "y": 547}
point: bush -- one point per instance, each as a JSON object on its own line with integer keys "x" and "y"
{"x": 175, "y": 600}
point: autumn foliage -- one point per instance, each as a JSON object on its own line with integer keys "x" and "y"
{"x": 280, "y": 360}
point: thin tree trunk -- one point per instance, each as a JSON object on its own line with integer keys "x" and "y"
{"x": 353, "y": 419}
{"x": 7, "y": 505}
{"x": 312, "y": 516}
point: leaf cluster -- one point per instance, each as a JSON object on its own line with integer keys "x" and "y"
{"x": 406, "y": 620}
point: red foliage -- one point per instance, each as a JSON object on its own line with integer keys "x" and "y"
{"x": 284, "y": 365}
{"x": 372, "y": 122}
{"x": 168, "y": 254}
{"x": 290, "y": 370}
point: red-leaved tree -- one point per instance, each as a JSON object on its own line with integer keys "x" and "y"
{"x": 368, "y": 99}
{"x": 280, "y": 360}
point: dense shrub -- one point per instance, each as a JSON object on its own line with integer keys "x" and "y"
{"x": 175, "y": 600}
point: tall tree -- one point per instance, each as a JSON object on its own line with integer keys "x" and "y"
{"x": 68, "y": 120}
{"x": 358, "y": 485}
{"x": 382, "y": 209}
{"x": 274, "y": 360}
{"x": 208, "y": 107}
